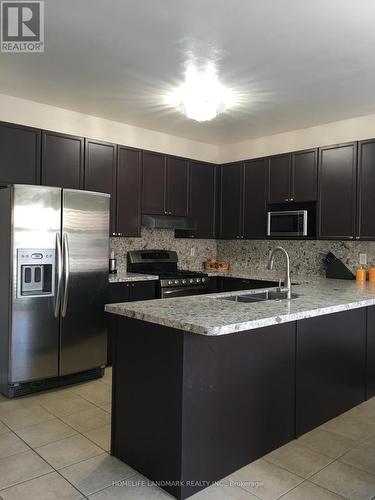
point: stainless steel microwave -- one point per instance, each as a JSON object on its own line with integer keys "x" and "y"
{"x": 287, "y": 223}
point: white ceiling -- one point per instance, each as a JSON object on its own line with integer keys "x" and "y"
{"x": 294, "y": 63}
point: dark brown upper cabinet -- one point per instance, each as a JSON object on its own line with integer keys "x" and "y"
{"x": 231, "y": 192}
{"x": 366, "y": 190}
{"x": 254, "y": 199}
{"x": 293, "y": 177}
{"x": 100, "y": 172}
{"x": 153, "y": 183}
{"x": 128, "y": 194}
{"x": 304, "y": 176}
{"x": 202, "y": 205}
{"x": 177, "y": 186}
{"x": 62, "y": 160}
{"x": 19, "y": 154}
{"x": 279, "y": 175}
{"x": 337, "y": 191}
{"x": 165, "y": 182}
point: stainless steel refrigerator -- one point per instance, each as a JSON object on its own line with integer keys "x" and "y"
{"x": 53, "y": 282}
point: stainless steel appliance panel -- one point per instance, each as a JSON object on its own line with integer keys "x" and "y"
{"x": 34, "y": 330}
{"x": 85, "y": 244}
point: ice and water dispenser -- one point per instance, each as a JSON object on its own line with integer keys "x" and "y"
{"x": 35, "y": 271}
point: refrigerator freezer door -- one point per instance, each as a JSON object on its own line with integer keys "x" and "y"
{"x": 85, "y": 242}
{"x": 34, "y": 329}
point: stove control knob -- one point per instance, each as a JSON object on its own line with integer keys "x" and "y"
{"x": 203, "y": 280}
{"x": 184, "y": 282}
{"x": 170, "y": 282}
{"x": 198, "y": 280}
{"x": 191, "y": 281}
{"x": 176, "y": 282}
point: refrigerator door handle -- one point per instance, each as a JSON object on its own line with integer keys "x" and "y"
{"x": 59, "y": 265}
{"x": 66, "y": 275}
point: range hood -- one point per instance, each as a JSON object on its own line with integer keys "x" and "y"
{"x": 168, "y": 222}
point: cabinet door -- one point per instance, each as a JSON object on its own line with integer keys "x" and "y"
{"x": 231, "y": 201}
{"x": 142, "y": 290}
{"x": 255, "y": 199}
{"x": 128, "y": 195}
{"x": 19, "y": 154}
{"x": 366, "y": 190}
{"x": 203, "y": 199}
{"x": 370, "y": 353}
{"x": 62, "y": 160}
{"x": 330, "y": 368}
{"x": 154, "y": 184}
{"x": 337, "y": 191}
{"x": 304, "y": 175}
{"x": 279, "y": 171}
{"x": 100, "y": 172}
{"x": 177, "y": 186}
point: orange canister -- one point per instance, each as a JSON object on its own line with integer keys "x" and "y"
{"x": 361, "y": 274}
{"x": 371, "y": 273}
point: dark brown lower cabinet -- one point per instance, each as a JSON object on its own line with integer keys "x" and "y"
{"x": 330, "y": 366}
{"x": 193, "y": 408}
{"x": 370, "y": 353}
{"x": 125, "y": 292}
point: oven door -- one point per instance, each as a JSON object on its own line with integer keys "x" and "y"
{"x": 287, "y": 223}
{"x": 168, "y": 293}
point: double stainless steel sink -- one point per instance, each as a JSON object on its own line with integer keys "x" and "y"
{"x": 259, "y": 296}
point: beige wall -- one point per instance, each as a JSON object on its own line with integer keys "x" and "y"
{"x": 362, "y": 127}
{"x": 25, "y": 112}
{"x": 48, "y": 117}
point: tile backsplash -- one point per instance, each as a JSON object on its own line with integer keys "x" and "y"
{"x": 245, "y": 256}
{"x": 164, "y": 239}
{"x": 305, "y": 256}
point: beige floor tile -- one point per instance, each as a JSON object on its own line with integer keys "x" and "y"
{"x": 347, "y": 481}
{"x": 107, "y": 379}
{"x": 58, "y": 393}
{"x": 97, "y": 473}
{"x": 45, "y": 432}
{"x": 326, "y": 442}
{"x": 135, "y": 488}
{"x": 49, "y": 487}
{"x": 10, "y": 444}
{"x": 3, "y": 428}
{"x": 24, "y": 417}
{"x": 362, "y": 457}
{"x": 298, "y": 459}
{"x": 265, "y": 480}
{"x": 65, "y": 407}
{"x": 107, "y": 408}
{"x": 349, "y": 427}
{"x": 21, "y": 467}
{"x": 101, "y": 436}
{"x": 223, "y": 492}
{"x": 87, "y": 420}
{"x": 96, "y": 392}
{"x": 68, "y": 451}
{"x": 10, "y": 405}
{"x": 370, "y": 441}
{"x": 311, "y": 491}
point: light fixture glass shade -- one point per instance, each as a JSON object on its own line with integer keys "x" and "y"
{"x": 202, "y": 97}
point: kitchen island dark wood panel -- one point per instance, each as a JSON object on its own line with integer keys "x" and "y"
{"x": 370, "y": 353}
{"x": 330, "y": 367}
{"x": 194, "y": 408}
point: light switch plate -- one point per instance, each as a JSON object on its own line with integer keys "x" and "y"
{"x": 192, "y": 252}
{"x": 363, "y": 259}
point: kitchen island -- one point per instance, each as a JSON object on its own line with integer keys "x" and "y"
{"x": 204, "y": 385}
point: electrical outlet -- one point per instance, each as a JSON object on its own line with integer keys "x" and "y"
{"x": 363, "y": 259}
{"x": 192, "y": 252}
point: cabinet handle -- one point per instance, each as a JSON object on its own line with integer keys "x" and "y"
{"x": 286, "y": 199}
{"x": 291, "y": 199}
{"x": 350, "y": 237}
{"x": 357, "y": 237}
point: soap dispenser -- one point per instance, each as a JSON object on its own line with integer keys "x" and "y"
{"x": 112, "y": 263}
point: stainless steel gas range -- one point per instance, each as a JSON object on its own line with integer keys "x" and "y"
{"x": 173, "y": 282}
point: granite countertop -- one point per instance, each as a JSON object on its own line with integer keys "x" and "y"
{"x": 206, "y": 315}
{"x": 124, "y": 277}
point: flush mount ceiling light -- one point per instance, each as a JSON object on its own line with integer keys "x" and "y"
{"x": 202, "y": 97}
